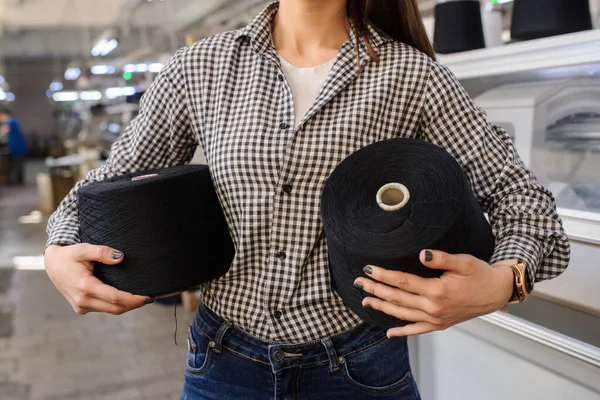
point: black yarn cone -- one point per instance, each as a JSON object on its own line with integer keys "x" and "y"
{"x": 458, "y": 27}
{"x": 442, "y": 214}
{"x": 170, "y": 227}
{"x": 534, "y": 19}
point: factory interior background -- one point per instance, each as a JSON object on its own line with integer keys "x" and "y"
{"x": 73, "y": 71}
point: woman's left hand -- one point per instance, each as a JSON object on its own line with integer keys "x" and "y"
{"x": 468, "y": 288}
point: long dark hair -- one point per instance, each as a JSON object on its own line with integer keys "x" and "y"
{"x": 399, "y": 19}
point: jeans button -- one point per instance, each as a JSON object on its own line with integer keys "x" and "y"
{"x": 278, "y": 355}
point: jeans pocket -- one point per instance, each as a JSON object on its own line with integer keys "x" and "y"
{"x": 382, "y": 368}
{"x": 200, "y": 354}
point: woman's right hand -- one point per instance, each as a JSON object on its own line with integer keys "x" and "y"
{"x": 71, "y": 269}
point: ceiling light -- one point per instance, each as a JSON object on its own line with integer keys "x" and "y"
{"x": 56, "y": 86}
{"x": 103, "y": 70}
{"x": 113, "y": 93}
{"x": 2, "y": 80}
{"x": 10, "y": 97}
{"x": 90, "y": 95}
{"x": 72, "y": 73}
{"x": 141, "y": 68}
{"x": 104, "y": 46}
{"x": 65, "y": 96}
{"x": 155, "y": 67}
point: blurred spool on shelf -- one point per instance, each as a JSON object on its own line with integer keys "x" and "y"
{"x": 458, "y": 26}
{"x": 492, "y": 28}
{"x": 532, "y": 20}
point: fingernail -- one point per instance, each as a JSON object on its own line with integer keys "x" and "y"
{"x": 358, "y": 285}
{"x": 367, "y": 306}
{"x": 368, "y": 270}
{"x": 428, "y": 256}
{"x": 148, "y": 301}
{"x": 116, "y": 255}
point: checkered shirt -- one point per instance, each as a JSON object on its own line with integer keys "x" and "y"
{"x": 228, "y": 93}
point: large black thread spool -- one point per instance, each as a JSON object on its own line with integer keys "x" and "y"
{"x": 387, "y": 202}
{"x": 167, "y": 222}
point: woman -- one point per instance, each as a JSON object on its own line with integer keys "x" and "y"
{"x": 276, "y": 106}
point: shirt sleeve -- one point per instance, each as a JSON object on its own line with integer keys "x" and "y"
{"x": 160, "y": 136}
{"x": 522, "y": 212}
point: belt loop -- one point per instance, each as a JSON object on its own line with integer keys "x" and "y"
{"x": 217, "y": 343}
{"x": 334, "y": 363}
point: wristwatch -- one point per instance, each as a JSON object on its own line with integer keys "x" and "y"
{"x": 522, "y": 287}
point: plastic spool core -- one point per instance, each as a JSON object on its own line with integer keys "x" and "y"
{"x": 393, "y": 196}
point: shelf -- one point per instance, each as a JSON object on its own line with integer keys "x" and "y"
{"x": 553, "y": 52}
{"x": 580, "y": 225}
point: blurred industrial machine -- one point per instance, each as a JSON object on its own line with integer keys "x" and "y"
{"x": 546, "y": 94}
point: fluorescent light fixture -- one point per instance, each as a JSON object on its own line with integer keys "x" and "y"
{"x": 56, "y": 86}
{"x": 10, "y": 97}
{"x": 72, "y": 73}
{"x": 2, "y": 95}
{"x": 141, "y": 68}
{"x": 113, "y": 93}
{"x": 129, "y": 68}
{"x": 65, "y": 96}
{"x": 500, "y": 1}
{"x": 103, "y": 70}
{"x": 155, "y": 67}
{"x": 104, "y": 46}
{"x": 90, "y": 95}
{"x": 114, "y": 128}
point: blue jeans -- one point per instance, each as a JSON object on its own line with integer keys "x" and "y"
{"x": 225, "y": 362}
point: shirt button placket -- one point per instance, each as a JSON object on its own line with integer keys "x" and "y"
{"x": 286, "y": 114}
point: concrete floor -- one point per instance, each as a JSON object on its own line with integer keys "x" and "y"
{"x": 48, "y": 352}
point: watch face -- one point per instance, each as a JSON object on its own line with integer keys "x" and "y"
{"x": 528, "y": 285}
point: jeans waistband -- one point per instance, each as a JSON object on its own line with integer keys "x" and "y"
{"x": 283, "y": 355}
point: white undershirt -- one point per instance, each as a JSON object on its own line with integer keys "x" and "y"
{"x": 305, "y": 84}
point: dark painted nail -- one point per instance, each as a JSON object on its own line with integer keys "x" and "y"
{"x": 358, "y": 285}
{"x": 428, "y": 256}
{"x": 368, "y": 270}
{"x": 368, "y": 306}
{"x": 148, "y": 301}
{"x": 116, "y": 255}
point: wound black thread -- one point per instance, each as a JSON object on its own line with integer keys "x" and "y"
{"x": 167, "y": 222}
{"x": 442, "y": 213}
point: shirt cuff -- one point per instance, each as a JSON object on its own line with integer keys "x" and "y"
{"x": 520, "y": 247}
{"x": 65, "y": 232}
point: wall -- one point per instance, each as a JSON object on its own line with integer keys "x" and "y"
{"x": 29, "y": 78}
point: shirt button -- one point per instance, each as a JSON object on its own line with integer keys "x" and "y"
{"x": 277, "y": 314}
{"x": 281, "y": 255}
{"x": 283, "y": 126}
{"x": 278, "y": 355}
{"x": 287, "y": 189}
{"x": 280, "y": 77}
